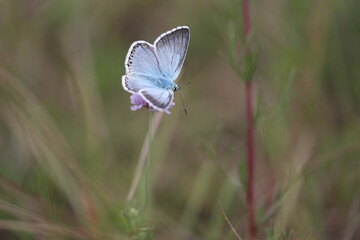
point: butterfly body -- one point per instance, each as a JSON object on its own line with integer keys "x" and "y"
{"x": 152, "y": 68}
{"x": 165, "y": 83}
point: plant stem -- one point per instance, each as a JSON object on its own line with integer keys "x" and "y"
{"x": 143, "y": 155}
{"x": 147, "y": 170}
{"x": 246, "y": 20}
{"x": 249, "y": 131}
{"x": 250, "y": 160}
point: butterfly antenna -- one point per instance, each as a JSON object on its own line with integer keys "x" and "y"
{"x": 185, "y": 83}
{"x": 182, "y": 101}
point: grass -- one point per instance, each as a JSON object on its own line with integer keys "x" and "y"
{"x": 69, "y": 144}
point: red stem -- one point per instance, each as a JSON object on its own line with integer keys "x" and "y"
{"x": 246, "y": 17}
{"x": 250, "y": 160}
{"x": 249, "y": 132}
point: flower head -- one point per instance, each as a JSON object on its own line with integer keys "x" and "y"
{"x": 138, "y": 102}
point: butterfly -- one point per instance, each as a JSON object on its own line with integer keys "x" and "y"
{"x": 151, "y": 69}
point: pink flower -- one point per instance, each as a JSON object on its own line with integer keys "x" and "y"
{"x": 138, "y": 102}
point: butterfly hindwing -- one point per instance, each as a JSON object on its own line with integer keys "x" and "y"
{"x": 135, "y": 83}
{"x": 171, "y": 48}
{"x": 158, "y": 99}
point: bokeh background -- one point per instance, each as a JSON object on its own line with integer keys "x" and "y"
{"x": 69, "y": 143}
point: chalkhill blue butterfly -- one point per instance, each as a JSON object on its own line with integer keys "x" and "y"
{"x": 151, "y": 69}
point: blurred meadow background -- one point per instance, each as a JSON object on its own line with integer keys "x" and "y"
{"x": 69, "y": 143}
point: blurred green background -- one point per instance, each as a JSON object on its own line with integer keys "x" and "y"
{"x": 69, "y": 143}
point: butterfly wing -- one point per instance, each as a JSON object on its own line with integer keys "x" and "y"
{"x": 134, "y": 83}
{"x": 150, "y": 69}
{"x": 171, "y": 48}
{"x": 142, "y": 67}
{"x": 157, "y": 98}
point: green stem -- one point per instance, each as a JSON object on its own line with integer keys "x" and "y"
{"x": 147, "y": 163}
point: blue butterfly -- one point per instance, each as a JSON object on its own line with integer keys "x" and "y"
{"x": 152, "y": 68}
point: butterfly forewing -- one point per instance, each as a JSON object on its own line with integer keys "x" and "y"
{"x": 171, "y": 48}
{"x": 141, "y": 60}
